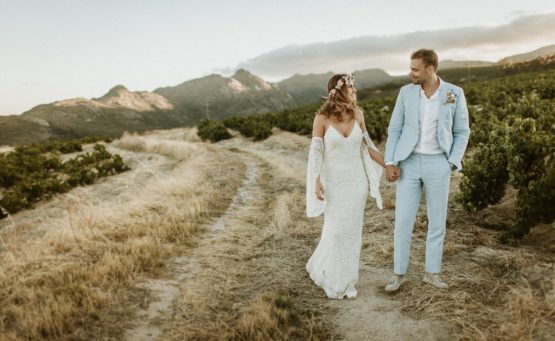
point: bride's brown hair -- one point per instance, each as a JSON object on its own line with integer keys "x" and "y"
{"x": 339, "y": 103}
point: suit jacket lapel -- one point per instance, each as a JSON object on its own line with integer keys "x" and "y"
{"x": 415, "y": 104}
{"x": 443, "y": 105}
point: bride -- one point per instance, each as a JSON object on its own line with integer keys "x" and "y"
{"x": 343, "y": 164}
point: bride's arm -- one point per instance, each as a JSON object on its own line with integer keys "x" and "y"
{"x": 318, "y": 131}
{"x": 373, "y": 164}
{"x": 376, "y": 156}
{"x": 372, "y": 149}
{"x": 315, "y": 201}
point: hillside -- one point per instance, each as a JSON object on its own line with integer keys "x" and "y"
{"x": 309, "y": 88}
{"x": 525, "y": 57}
{"x": 217, "y": 97}
{"x": 455, "y": 64}
{"x": 117, "y": 111}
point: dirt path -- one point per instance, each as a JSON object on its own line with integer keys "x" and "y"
{"x": 375, "y": 314}
{"x": 244, "y": 255}
{"x": 244, "y": 266}
{"x": 185, "y": 269}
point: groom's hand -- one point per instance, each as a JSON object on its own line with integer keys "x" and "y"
{"x": 392, "y": 173}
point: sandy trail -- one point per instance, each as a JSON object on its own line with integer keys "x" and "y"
{"x": 244, "y": 252}
{"x": 375, "y": 314}
{"x": 150, "y": 321}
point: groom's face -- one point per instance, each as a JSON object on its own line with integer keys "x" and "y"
{"x": 419, "y": 73}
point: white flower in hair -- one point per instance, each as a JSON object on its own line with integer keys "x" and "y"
{"x": 347, "y": 79}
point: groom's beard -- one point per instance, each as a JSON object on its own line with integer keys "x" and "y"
{"x": 417, "y": 81}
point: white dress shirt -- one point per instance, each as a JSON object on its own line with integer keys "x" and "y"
{"x": 429, "y": 112}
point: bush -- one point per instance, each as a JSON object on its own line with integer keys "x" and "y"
{"x": 34, "y": 172}
{"x": 86, "y": 168}
{"x": 485, "y": 173}
{"x": 213, "y": 131}
{"x": 250, "y": 126}
{"x": 531, "y": 164}
{"x": 377, "y": 113}
{"x": 512, "y": 123}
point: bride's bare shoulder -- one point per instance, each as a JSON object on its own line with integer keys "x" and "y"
{"x": 320, "y": 118}
{"x": 319, "y": 125}
{"x": 359, "y": 117}
{"x": 359, "y": 114}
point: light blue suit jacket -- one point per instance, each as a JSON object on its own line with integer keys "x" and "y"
{"x": 404, "y": 127}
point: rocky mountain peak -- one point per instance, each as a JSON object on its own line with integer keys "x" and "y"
{"x": 116, "y": 91}
{"x": 249, "y": 80}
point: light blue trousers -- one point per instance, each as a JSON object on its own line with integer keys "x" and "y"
{"x": 433, "y": 173}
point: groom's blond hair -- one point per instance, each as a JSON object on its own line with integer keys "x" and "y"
{"x": 429, "y": 57}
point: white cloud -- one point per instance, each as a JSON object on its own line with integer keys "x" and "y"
{"x": 392, "y": 52}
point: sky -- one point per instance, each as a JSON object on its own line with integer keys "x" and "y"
{"x": 58, "y": 49}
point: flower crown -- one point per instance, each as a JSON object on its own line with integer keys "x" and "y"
{"x": 347, "y": 79}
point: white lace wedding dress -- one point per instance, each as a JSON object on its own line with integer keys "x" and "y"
{"x": 347, "y": 173}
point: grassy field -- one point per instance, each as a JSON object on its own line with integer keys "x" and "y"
{"x": 209, "y": 241}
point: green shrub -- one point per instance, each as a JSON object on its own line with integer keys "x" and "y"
{"x": 377, "y": 113}
{"x": 213, "y": 131}
{"x": 513, "y": 124}
{"x": 531, "y": 165}
{"x": 14, "y": 200}
{"x": 250, "y": 126}
{"x": 485, "y": 173}
{"x": 34, "y": 172}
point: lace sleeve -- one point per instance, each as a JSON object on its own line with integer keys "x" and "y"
{"x": 373, "y": 169}
{"x": 368, "y": 141}
{"x": 314, "y": 206}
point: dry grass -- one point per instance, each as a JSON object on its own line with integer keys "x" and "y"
{"x": 273, "y": 316}
{"x": 496, "y": 292}
{"x": 253, "y": 285}
{"x": 175, "y": 134}
{"x": 285, "y": 152}
{"x": 282, "y": 214}
{"x": 155, "y": 144}
{"x": 74, "y": 281}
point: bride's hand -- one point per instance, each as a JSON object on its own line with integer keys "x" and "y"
{"x": 319, "y": 190}
{"x": 392, "y": 173}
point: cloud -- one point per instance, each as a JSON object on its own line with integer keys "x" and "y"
{"x": 391, "y": 52}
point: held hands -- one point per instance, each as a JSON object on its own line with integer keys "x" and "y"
{"x": 392, "y": 173}
{"x": 319, "y": 190}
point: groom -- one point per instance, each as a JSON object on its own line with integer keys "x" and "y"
{"x": 427, "y": 137}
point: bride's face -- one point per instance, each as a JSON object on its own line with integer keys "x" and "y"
{"x": 352, "y": 91}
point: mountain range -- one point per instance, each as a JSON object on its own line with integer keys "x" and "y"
{"x": 524, "y": 57}
{"x": 213, "y": 96}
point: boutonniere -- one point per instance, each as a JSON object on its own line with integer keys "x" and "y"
{"x": 451, "y": 97}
